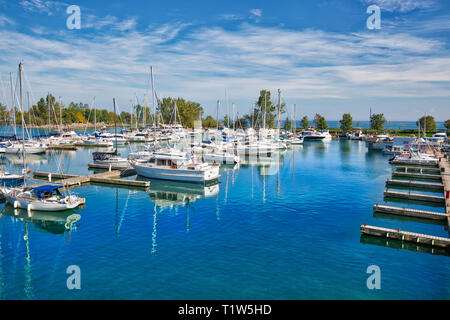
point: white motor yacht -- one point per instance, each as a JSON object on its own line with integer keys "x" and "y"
{"x": 175, "y": 165}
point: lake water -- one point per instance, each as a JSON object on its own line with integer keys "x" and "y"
{"x": 279, "y": 228}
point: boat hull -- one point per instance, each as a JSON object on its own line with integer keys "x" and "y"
{"x": 197, "y": 176}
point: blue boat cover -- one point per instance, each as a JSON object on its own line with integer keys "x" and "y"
{"x": 47, "y": 187}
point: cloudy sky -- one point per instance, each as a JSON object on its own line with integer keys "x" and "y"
{"x": 320, "y": 53}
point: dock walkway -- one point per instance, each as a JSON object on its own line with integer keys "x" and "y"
{"x": 108, "y": 177}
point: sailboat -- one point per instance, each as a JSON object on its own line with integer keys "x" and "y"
{"x": 40, "y": 198}
{"x": 112, "y": 157}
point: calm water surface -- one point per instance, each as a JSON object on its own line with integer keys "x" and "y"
{"x": 280, "y": 228}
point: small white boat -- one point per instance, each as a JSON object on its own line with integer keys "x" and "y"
{"x": 312, "y": 135}
{"x": 28, "y": 147}
{"x": 176, "y": 166}
{"x": 226, "y": 158}
{"x": 415, "y": 158}
{"x": 41, "y": 198}
{"x": 110, "y": 158}
{"x": 10, "y": 178}
{"x": 297, "y": 141}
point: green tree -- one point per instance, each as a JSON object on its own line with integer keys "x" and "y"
{"x": 187, "y": 111}
{"x": 267, "y": 106}
{"x": 209, "y": 122}
{"x": 227, "y": 120}
{"x": 321, "y": 123}
{"x": 305, "y": 122}
{"x": 377, "y": 121}
{"x": 447, "y": 124}
{"x": 346, "y": 122}
{"x": 287, "y": 124}
{"x": 427, "y": 123}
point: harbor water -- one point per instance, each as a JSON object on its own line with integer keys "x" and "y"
{"x": 283, "y": 227}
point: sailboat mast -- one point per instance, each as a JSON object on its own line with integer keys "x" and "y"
{"x": 279, "y": 106}
{"x": 13, "y": 108}
{"x": 23, "y": 123}
{"x": 234, "y": 116}
{"x": 228, "y": 109}
{"x": 143, "y": 113}
{"x": 95, "y": 117}
{"x": 115, "y": 123}
{"x": 48, "y": 107}
{"x": 153, "y": 95}
{"x": 217, "y": 114}
{"x": 60, "y": 114}
{"x": 265, "y": 107}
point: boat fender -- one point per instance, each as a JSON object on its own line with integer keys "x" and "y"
{"x": 16, "y": 204}
{"x": 29, "y": 208}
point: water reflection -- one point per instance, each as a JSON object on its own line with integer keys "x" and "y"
{"x": 165, "y": 194}
{"x": 397, "y": 244}
{"x": 51, "y": 222}
{"x": 30, "y": 159}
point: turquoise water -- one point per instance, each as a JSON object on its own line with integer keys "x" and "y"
{"x": 282, "y": 228}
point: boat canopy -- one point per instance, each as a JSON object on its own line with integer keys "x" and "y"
{"x": 46, "y": 188}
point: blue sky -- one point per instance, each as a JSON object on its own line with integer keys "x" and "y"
{"x": 319, "y": 53}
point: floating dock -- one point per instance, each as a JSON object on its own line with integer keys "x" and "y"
{"x": 439, "y": 173}
{"x": 415, "y": 184}
{"x": 62, "y": 147}
{"x": 108, "y": 177}
{"x": 107, "y": 167}
{"x": 417, "y": 238}
{"x": 418, "y": 169}
{"x": 420, "y": 176}
{"x": 414, "y": 196}
{"x": 410, "y": 212}
{"x": 406, "y": 163}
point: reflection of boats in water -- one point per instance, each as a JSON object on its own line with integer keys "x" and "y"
{"x": 168, "y": 194}
{"x": 33, "y": 159}
{"x": 52, "y": 222}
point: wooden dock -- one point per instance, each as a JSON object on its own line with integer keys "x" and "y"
{"x": 107, "y": 167}
{"x": 415, "y": 184}
{"x": 108, "y": 177}
{"x": 414, "y": 196}
{"x": 63, "y": 147}
{"x": 417, "y": 238}
{"x": 444, "y": 166}
{"x": 418, "y": 169}
{"x": 437, "y": 173}
{"x": 407, "y": 163}
{"x": 420, "y": 176}
{"x": 410, "y": 212}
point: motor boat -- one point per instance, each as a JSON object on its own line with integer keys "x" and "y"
{"x": 170, "y": 164}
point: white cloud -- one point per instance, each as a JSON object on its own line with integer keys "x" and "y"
{"x": 401, "y": 5}
{"x": 306, "y": 64}
{"x": 42, "y": 6}
{"x": 256, "y": 14}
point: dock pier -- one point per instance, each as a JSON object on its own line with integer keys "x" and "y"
{"x": 419, "y": 176}
{"x": 108, "y": 177}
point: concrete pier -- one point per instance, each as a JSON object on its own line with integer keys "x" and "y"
{"x": 414, "y": 196}
{"x": 418, "y": 169}
{"x": 417, "y": 238}
{"x": 415, "y": 184}
{"x": 420, "y": 176}
{"x": 410, "y": 212}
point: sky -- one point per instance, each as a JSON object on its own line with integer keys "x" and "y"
{"x": 319, "y": 53}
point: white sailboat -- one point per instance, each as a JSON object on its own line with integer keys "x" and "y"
{"x": 40, "y": 198}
